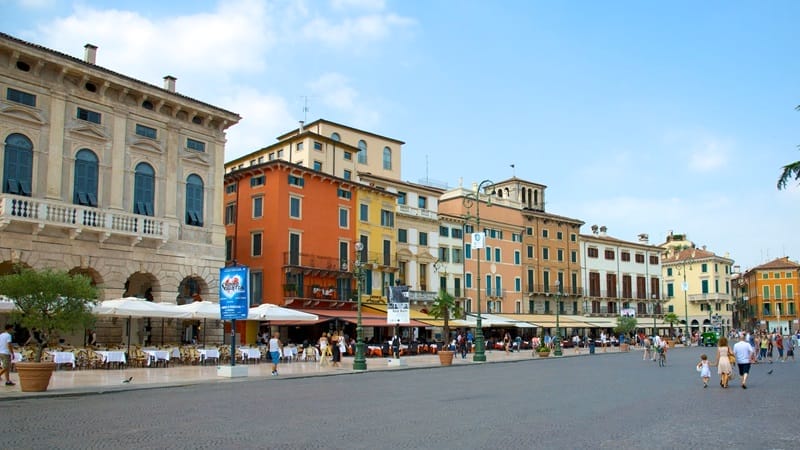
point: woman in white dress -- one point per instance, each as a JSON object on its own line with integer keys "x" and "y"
{"x": 723, "y": 363}
{"x": 323, "y": 350}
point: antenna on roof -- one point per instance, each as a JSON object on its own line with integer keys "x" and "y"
{"x": 305, "y": 107}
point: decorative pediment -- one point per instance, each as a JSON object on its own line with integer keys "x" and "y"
{"x": 147, "y": 145}
{"x": 87, "y": 131}
{"x": 23, "y": 114}
{"x": 195, "y": 157}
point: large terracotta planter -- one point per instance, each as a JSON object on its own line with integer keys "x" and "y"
{"x": 543, "y": 354}
{"x": 446, "y": 357}
{"x": 33, "y": 376}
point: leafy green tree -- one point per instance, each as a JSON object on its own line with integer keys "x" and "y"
{"x": 443, "y": 306}
{"x": 625, "y": 325}
{"x": 671, "y": 319}
{"x": 51, "y": 301}
{"x": 789, "y": 171}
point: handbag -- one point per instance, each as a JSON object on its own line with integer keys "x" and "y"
{"x": 731, "y": 357}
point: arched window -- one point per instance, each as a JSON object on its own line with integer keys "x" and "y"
{"x": 144, "y": 187}
{"x": 18, "y": 165}
{"x": 336, "y": 137}
{"x": 387, "y": 158}
{"x": 362, "y": 154}
{"x": 194, "y": 200}
{"x": 84, "y": 189}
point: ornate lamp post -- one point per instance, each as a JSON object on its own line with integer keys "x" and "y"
{"x": 474, "y": 198}
{"x": 360, "y": 361}
{"x": 557, "y": 343}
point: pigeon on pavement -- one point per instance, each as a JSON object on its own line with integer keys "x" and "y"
{"x": 128, "y": 380}
{"x": 769, "y": 372}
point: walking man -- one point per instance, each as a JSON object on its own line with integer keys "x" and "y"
{"x": 745, "y": 354}
{"x": 6, "y": 353}
{"x": 275, "y": 353}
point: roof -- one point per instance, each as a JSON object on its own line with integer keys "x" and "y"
{"x": 320, "y": 120}
{"x": 90, "y": 66}
{"x": 395, "y": 182}
{"x": 780, "y": 263}
{"x": 614, "y": 240}
{"x": 689, "y": 255}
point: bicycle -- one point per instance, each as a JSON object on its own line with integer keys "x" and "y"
{"x": 662, "y": 357}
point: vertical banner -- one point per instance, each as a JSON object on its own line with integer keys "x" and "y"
{"x": 233, "y": 292}
{"x": 478, "y": 239}
{"x": 398, "y": 310}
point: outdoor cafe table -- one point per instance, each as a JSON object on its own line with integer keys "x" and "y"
{"x": 154, "y": 355}
{"x": 112, "y": 357}
{"x": 63, "y": 358}
{"x": 250, "y": 353}
{"x": 208, "y": 353}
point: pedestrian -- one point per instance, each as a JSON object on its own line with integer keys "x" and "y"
{"x": 6, "y": 353}
{"x": 92, "y": 338}
{"x": 323, "y": 350}
{"x": 790, "y": 343}
{"x": 705, "y": 372}
{"x": 779, "y": 346}
{"x": 723, "y": 361}
{"x": 275, "y": 353}
{"x": 745, "y": 355}
{"x": 336, "y": 351}
{"x": 507, "y": 342}
{"x": 763, "y": 344}
{"x": 396, "y": 346}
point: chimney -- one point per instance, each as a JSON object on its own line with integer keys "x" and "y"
{"x": 644, "y": 238}
{"x": 90, "y": 53}
{"x": 169, "y": 83}
{"x": 301, "y": 126}
{"x": 594, "y": 230}
{"x": 603, "y": 230}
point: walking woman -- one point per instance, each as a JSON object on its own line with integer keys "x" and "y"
{"x": 723, "y": 362}
{"x": 336, "y": 351}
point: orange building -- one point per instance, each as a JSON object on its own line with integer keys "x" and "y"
{"x": 768, "y": 293}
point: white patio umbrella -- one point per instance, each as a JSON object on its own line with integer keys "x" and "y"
{"x": 6, "y": 305}
{"x": 202, "y": 310}
{"x": 268, "y": 311}
{"x": 137, "y": 307}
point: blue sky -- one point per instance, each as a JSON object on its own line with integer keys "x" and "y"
{"x": 641, "y": 116}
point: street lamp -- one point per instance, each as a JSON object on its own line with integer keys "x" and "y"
{"x": 360, "y": 361}
{"x": 557, "y": 344}
{"x": 685, "y": 287}
{"x": 474, "y": 198}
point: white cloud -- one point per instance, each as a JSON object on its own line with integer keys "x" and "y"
{"x": 355, "y": 32}
{"x": 710, "y": 155}
{"x": 373, "y": 5}
{"x": 335, "y": 92}
{"x": 36, "y": 4}
{"x": 264, "y": 117}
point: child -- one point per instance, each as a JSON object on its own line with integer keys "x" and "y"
{"x": 705, "y": 372}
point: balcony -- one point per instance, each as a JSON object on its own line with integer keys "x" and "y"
{"x": 49, "y": 217}
{"x": 422, "y": 296}
{"x": 551, "y": 289}
{"x": 710, "y": 298}
{"x": 311, "y": 264}
{"x": 417, "y": 212}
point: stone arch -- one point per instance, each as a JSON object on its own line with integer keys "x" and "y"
{"x": 191, "y": 288}
{"x": 93, "y": 275}
{"x": 141, "y": 284}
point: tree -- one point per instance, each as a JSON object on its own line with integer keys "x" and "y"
{"x": 51, "y": 301}
{"x": 789, "y": 171}
{"x": 671, "y": 319}
{"x": 443, "y": 306}
{"x": 625, "y": 325}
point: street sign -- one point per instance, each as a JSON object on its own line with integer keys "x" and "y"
{"x": 233, "y": 292}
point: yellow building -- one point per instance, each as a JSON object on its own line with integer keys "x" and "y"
{"x": 768, "y": 294}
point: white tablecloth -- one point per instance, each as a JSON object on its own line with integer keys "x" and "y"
{"x": 208, "y": 353}
{"x": 250, "y": 353}
{"x": 63, "y": 358}
{"x": 112, "y": 356}
{"x": 157, "y": 355}
{"x": 17, "y": 357}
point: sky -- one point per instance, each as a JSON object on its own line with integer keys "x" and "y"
{"x": 645, "y": 117}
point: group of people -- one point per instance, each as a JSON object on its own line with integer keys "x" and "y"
{"x": 742, "y": 355}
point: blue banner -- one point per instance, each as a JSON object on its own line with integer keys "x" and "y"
{"x": 233, "y": 292}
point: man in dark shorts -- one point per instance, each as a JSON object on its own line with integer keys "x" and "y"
{"x": 745, "y": 354}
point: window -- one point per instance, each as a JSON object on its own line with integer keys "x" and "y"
{"x": 422, "y": 202}
{"x": 529, "y": 251}
{"x": 573, "y": 237}
{"x": 318, "y": 166}
{"x": 363, "y": 213}
{"x": 362, "y": 152}
{"x": 423, "y": 238}
{"x": 401, "y": 198}
{"x": 609, "y": 255}
{"x": 469, "y": 229}
{"x": 194, "y": 200}
{"x": 444, "y": 254}
{"x": 468, "y": 280}
{"x": 529, "y": 231}
{"x": 488, "y": 253}
{"x": 296, "y": 181}
{"x": 84, "y": 189}
{"x": 230, "y": 213}
{"x": 653, "y": 259}
{"x": 573, "y": 256}
{"x": 145, "y": 131}
{"x": 255, "y": 244}
{"x": 560, "y": 254}
{"x": 545, "y": 233}
{"x": 592, "y": 252}
{"x": 497, "y": 254}
{"x": 89, "y": 116}
{"x": 766, "y": 292}
{"x": 230, "y": 188}
{"x": 200, "y": 146}
{"x": 280, "y": 153}
{"x": 258, "y": 207}
{"x": 387, "y": 158}
{"x": 147, "y": 104}
{"x": 348, "y": 156}
{"x": 467, "y": 251}
{"x": 228, "y": 249}
{"x": 317, "y": 145}
{"x": 143, "y": 189}
{"x": 704, "y": 268}
{"x": 559, "y": 235}
{"x": 344, "y": 218}
{"x": 258, "y": 181}
{"x": 335, "y": 137}
{"x": 18, "y": 165}
{"x": 457, "y": 233}
{"x": 20, "y": 97}
{"x": 342, "y": 193}
{"x": 347, "y": 175}
{"x": 444, "y": 231}
{"x": 256, "y": 288}
{"x": 294, "y": 207}
{"x": 625, "y": 256}
{"x": 545, "y": 253}
{"x": 387, "y": 218}
{"x": 517, "y": 257}
{"x": 516, "y": 237}
{"x": 457, "y": 258}
{"x": 402, "y": 235}
{"x": 299, "y": 146}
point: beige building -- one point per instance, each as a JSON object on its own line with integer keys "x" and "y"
{"x": 111, "y": 177}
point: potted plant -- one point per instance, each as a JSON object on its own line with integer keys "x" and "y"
{"x": 624, "y": 327}
{"x": 542, "y": 349}
{"x": 443, "y": 306}
{"x": 53, "y": 302}
{"x": 671, "y": 319}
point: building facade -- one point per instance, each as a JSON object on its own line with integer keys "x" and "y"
{"x": 767, "y": 291}
{"x": 110, "y": 177}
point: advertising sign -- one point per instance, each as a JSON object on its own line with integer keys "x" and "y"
{"x": 233, "y": 292}
{"x": 397, "y": 311}
{"x": 478, "y": 240}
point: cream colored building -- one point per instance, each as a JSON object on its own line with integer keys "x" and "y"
{"x": 111, "y": 177}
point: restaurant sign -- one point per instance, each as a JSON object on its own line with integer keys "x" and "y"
{"x": 233, "y": 292}
{"x": 398, "y": 308}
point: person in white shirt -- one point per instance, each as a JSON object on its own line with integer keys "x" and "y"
{"x": 7, "y": 353}
{"x": 744, "y": 353}
{"x": 275, "y": 353}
